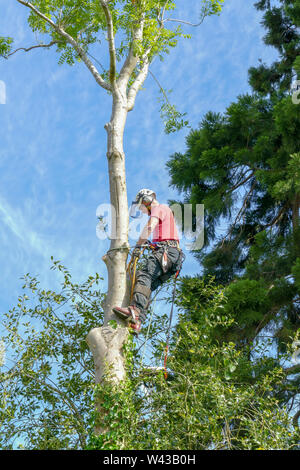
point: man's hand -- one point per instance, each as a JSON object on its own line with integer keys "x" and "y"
{"x": 147, "y": 230}
{"x": 136, "y": 252}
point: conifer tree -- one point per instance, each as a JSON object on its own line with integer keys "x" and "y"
{"x": 244, "y": 166}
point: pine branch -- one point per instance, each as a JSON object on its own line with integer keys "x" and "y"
{"x": 292, "y": 370}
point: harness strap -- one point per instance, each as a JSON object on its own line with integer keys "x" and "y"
{"x": 171, "y": 243}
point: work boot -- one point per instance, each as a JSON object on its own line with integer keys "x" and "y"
{"x": 128, "y": 313}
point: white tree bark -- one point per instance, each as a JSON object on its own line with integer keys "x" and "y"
{"x": 106, "y": 342}
{"x": 106, "y": 345}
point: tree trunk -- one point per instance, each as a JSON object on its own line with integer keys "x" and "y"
{"x": 106, "y": 342}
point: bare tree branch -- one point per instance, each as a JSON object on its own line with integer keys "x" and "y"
{"x": 31, "y": 48}
{"x": 145, "y": 61}
{"x": 296, "y": 419}
{"x": 194, "y": 25}
{"x": 292, "y": 370}
{"x": 161, "y": 16}
{"x": 277, "y": 217}
{"x": 111, "y": 42}
{"x": 185, "y": 22}
{"x": 240, "y": 213}
{"x": 241, "y": 181}
{"x": 160, "y": 86}
{"x": 138, "y": 83}
{"x": 131, "y": 59}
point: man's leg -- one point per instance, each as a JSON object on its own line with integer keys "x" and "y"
{"x": 145, "y": 277}
{"x": 147, "y": 280}
{"x": 150, "y": 277}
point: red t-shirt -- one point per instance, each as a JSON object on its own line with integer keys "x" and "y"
{"x": 166, "y": 228}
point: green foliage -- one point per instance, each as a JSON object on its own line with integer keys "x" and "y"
{"x": 280, "y": 20}
{"x": 86, "y": 23}
{"x": 248, "y": 154}
{"x": 117, "y": 416}
{"x": 245, "y": 383}
{"x": 2, "y": 353}
{"x": 243, "y": 165}
{"x": 216, "y": 395}
{"x": 290, "y": 184}
{"x": 172, "y": 118}
{"x": 212, "y": 7}
{"x": 46, "y": 382}
{"x": 5, "y": 46}
{"x": 296, "y": 272}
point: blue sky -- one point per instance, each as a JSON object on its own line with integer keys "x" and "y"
{"x": 53, "y": 169}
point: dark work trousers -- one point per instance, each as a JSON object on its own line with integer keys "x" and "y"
{"x": 151, "y": 276}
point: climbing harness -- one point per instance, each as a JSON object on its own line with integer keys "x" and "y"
{"x": 131, "y": 267}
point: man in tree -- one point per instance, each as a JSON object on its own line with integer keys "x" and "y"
{"x": 165, "y": 259}
{"x": 133, "y": 34}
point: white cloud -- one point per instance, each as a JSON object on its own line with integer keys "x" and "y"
{"x": 16, "y": 223}
{"x": 8, "y": 219}
{"x": 2, "y": 92}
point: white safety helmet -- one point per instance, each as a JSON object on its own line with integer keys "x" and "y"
{"x": 144, "y": 196}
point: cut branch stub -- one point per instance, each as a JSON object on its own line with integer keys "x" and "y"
{"x": 106, "y": 344}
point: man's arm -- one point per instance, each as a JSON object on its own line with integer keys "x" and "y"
{"x": 147, "y": 230}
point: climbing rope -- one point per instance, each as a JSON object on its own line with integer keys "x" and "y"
{"x": 147, "y": 334}
{"x": 169, "y": 328}
{"x": 131, "y": 269}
